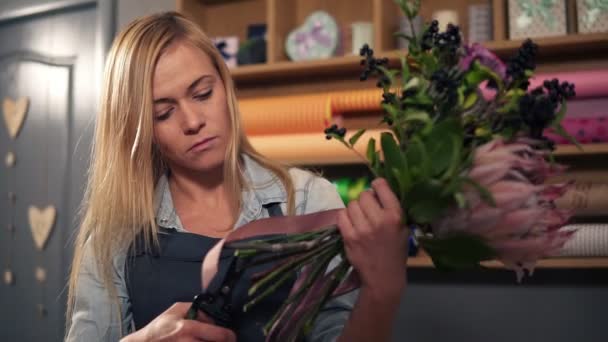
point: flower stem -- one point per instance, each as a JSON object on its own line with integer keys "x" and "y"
{"x": 289, "y": 265}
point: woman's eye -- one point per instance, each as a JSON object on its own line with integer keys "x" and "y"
{"x": 203, "y": 96}
{"x": 164, "y": 115}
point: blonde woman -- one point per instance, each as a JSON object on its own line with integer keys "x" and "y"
{"x": 172, "y": 172}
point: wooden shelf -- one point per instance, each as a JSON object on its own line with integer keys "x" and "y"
{"x": 313, "y": 149}
{"x": 588, "y": 149}
{"x": 552, "y": 47}
{"x": 562, "y": 46}
{"x": 424, "y": 261}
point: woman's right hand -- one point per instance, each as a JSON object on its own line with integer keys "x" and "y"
{"x": 172, "y": 326}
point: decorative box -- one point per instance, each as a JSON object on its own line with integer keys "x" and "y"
{"x": 592, "y": 15}
{"x": 537, "y": 18}
{"x": 228, "y": 47}
{"x": 480, "y": 23}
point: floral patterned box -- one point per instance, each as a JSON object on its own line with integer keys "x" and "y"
{"x": 592, "y": 15}
{"x": 537, "y": 18}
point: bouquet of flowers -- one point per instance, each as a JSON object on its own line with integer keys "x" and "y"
{"x": 468, "y": 166}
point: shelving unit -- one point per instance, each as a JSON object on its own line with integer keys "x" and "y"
{"x": 569, "y": 46}
{"x": 422, "y": 260}
{"x": 280, "y": 76}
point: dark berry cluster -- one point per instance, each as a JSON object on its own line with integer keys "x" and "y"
{"x": 537, "y": 112}
{"x": 333, "y": 129}
{"x": 559, "y": 92}
{"x": 448, "y": 41}
{"x": 428, "y": 37}
{"x": 388, "y": 98}
{"x": 523, "y": 60}
{"x": 371, "y": 64}
{"x": 539, "y": 106}
{"x": 446, "y": 85}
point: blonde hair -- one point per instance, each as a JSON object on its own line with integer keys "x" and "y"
{"x": 119, "y": 198}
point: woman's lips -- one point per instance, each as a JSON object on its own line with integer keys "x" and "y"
{"x": 202, "y": 145}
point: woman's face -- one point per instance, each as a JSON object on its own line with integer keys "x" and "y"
{"x": 191, "y": 117}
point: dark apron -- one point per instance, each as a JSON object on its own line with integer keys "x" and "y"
{"x": 172, "y": 273}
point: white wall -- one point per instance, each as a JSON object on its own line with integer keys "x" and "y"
{"x": 127, "y": 10}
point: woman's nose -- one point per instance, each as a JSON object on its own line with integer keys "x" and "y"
{"x": 193, "y": 119}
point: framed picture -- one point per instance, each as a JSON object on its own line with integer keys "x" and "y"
{"x": 537, "y": 18}
{"x": 592, "y": 16}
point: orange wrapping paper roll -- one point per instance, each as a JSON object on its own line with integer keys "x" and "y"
{"x": 312, "y": 148}
{"x": 285, "y": 114}
{"x": 356, "y": 101}
{"x": 304, "y": 113}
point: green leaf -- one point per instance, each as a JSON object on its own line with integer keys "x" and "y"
{"x": 457, "y": 251}
{"x": 392, "y": 153}
{"x": 560, "y": 115}
{"x": 405, "y": 70}
{"x": 415, "y": 154}
{"x": 417, "y": 115}
{"x": 405, "y": 8}
{"x": 426, "y": 202}
{"x": 393, "y": 159}
{"x": 371, "y": 149}
{"x": 353, "y": 140}
{"x": 388, "y": 73}
{"x": 402, "y": 183}
{"x": 404, "y": 36}
{"x": 372, "y": 156}
{"x": 460, "y": 200}
{"x": 561, "y": 131}
{"x": 480, "y": 73}
{"x": 428, "y": 63}
{"x": 456, "y": 157}
{"x": 470, "y": 100}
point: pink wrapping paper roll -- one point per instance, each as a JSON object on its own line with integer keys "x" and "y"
{"x": 585, "y": 130}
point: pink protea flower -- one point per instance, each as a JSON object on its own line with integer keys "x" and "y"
{"x": 524, "y": 225}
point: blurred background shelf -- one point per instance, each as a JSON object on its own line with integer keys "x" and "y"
{"x": 422, "y": 260}
{"x": 314, "y": 149}
{"x": 569, "y": 46}
{"x": 588, "y": 149}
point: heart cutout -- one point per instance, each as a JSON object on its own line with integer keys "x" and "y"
{"x": 41, "y": 224}
{"x": 316, "y": 39}
{"x": 14, "y": 114}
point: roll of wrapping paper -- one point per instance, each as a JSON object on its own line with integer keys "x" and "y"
{"x": 304, "y": 113}
{"x": 366, "y": 100}
{"x": 590, "y": 240}
{"x": 586, "y": 199}
{"x": 581, "y": 176}
{"x": 286, "y": 114}
{"x": 585, "y": 129}
{"x": 312, "y": 148}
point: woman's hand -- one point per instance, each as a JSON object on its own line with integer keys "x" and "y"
{"x": 172, "y": 326}
{"x": 375, "y": 239}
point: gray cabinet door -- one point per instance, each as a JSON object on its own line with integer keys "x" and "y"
{"x": 50, "y": 59}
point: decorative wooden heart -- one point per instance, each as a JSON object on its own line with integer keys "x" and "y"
{"x": 10, "y": 159}
{"x": 14, "y": 114}
{"x": 316, "y": 39}
{"x": 41, "y": 224}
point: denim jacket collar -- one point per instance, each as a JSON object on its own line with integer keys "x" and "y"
{"x": 265, "y": 187}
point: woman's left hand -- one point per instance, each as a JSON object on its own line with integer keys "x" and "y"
{"x": 375, "y": 239}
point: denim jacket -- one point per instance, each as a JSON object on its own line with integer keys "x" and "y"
{"x": 95, "y": 317}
